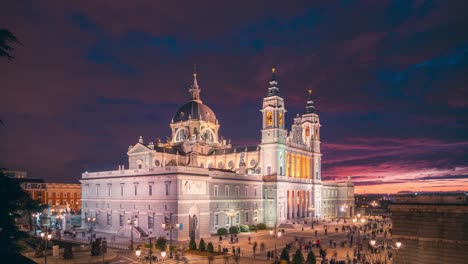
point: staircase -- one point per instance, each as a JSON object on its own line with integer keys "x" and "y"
{"x": 124, "y": 231}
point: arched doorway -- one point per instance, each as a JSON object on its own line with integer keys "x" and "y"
{"x": 194, "y": 222}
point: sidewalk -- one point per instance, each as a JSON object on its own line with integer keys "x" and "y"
{"x": 79, "y": 257}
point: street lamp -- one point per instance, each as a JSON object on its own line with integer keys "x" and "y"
{"x": 46, "y": 238}
{"x": 131, "y": 222}
{"x": 276, "y": 234}
{"x": 35, "y": 224}
{"x": 169, "y": 226}
{"x": 359, "y": 221}
{"x": 231, "y": 213}
{"x": 92, "y": 220}
{"x": 344, "y": 209}
{"x": 311, "y": 212}
{"x": 385, "y": 247}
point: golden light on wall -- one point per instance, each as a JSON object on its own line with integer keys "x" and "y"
{"x": 269, "y": 119}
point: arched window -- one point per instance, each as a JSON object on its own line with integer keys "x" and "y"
{"x": 208, "y": 135}
{"x": 181, "y": 134}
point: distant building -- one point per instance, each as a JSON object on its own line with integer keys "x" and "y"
{"x": 433, "y": 228}
{"x": 60, "y": 195}
{"x": 205, "y": 183}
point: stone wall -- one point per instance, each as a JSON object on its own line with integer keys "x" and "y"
{"x": 432, "y": 228}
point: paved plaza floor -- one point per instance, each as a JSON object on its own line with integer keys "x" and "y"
{"x": 300, "y": 232}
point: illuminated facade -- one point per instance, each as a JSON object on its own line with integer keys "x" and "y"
{"x": 199, "y": 177}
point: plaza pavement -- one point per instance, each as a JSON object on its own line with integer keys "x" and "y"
{"x": 247, "y": 255}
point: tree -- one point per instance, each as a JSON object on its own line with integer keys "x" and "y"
{"x": 192, "y": 244}
{"x": 298, "y": 258}
{"x": 11, "y": 198}
{"x": 261, "y": 226}
{"x": 285, "y": 255}
{"x": 311, "y": 258}
{"x": 234, "y": 230}
{"x": 161, "y": 243}
{"x": 222, "y": 231}
{"x": 201, "y": 246}
{"x": 6, "y": 39}
{"x": 210, "y": 247}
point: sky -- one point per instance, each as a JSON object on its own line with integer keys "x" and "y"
{"x": 389, "y": 80}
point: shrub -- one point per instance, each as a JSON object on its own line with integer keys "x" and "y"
{"x": 68, "y": 252}
{"x": 244, "y": 228}
{"x": 192, "y": 244}
{"x": 210, "y": 247}
{"x": 261, "y": 226}
{"x": 285, "y": 255}
{"x": 96, "y": 247}
{"x": 298, "y": 258}
{"x": 161, "y": 243}
{"x": 222, "y": 231}
{"x": 201, "y": 246}
{"x": 253, "y": 227}
{"x": 311, "y": 258}
{"x": 234, "y": 230}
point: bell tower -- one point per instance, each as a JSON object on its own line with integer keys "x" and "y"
{"x": 273, "y": 132}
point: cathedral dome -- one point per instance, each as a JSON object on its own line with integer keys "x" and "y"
{"x": 195, "y": 110}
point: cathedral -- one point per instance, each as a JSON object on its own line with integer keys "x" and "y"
{"x": 199, "y": 182}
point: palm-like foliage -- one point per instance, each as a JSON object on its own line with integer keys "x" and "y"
{"x": 6, "y": 39}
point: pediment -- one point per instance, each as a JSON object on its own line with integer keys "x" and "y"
{"x": 138, "y": 148}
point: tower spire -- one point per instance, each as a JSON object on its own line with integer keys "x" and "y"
{"x": 195, "y": 89}
{"x": 273, "y": 89}
{"x": 310, "y": 108}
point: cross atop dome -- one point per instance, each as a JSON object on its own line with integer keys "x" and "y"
{"x": 273, "y": 89}
{"x": 195, "y": 89}
{"x": 310, "y": 108}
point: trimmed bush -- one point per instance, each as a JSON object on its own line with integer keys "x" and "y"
{"x": 311, "y": 258}
{"x": 68, "y": 252}
{"x": 210, "y": 247}
{"x": 253, "y": 227}
{"x": 234, "y": 230}
{"x": 285, "y": 255}
{"x": 161, "y": 243}
{"x": 192, "y": 244}
{"x": 201, "y": 246}
{"x": 298, "y": 258}
{"x": 222, "y": 231}
{"x": 244, "y": 228}
{"x": 261, "y": 226}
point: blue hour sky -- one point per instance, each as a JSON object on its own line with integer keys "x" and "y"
{"x": 389, "y": 79}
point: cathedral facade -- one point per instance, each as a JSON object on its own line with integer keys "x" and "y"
{"x": 203, "y": 183}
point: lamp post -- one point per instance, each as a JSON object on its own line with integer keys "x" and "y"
{"x": 92, "y": 220}
{"x": 169, "y": 226}
{"x": 231, "y": 213}
{"x": 58, "y": 219}
{"x": 46, "y": 238}
{"x": 35, "y": 224}
{"x": 311, "y": 212}
{"x": 276, "y": 234}
{"x": 344, "y": 209}
{"x": 131, "y": 222}
{"x": 359, "y": 221}
{"x": 385, "y": 247}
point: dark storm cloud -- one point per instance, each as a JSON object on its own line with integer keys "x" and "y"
{"x": 388, "y": 78}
